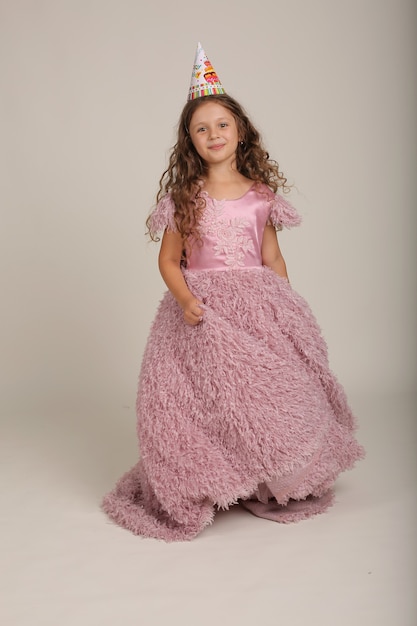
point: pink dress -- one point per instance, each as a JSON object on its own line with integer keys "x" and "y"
{"x": 242, "y": 407}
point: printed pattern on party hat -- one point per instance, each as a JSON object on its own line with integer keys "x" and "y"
{"x": 204, "y": 79}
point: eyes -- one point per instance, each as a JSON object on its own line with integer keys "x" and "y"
{"x": 202, "y": 129}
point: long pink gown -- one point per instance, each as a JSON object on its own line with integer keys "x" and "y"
{"x": 242, "y": 407}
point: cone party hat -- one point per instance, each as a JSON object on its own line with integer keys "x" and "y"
{"x": 204, "y": 80}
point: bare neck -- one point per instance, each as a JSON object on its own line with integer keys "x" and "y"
{"x": 226, "y": 184}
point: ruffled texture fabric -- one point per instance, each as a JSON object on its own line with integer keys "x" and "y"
{"x": 240, "y": 407}
{"x": 162, "y": 216}
{"x": 283, "y": 213}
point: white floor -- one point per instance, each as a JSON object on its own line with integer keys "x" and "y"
{"x": 63, "y": 563}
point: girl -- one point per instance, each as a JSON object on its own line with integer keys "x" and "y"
{"x": 236, "y": 402}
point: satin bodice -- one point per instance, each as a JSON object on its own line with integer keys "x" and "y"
{"x": 231, "y": 233}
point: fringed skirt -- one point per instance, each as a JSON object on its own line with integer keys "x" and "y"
{"x": 240, "y": 408}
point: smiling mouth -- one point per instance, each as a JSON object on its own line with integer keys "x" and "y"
{"x": 217, "y": 146}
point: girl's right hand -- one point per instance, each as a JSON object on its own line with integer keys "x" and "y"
{"x": 193, "y": 313}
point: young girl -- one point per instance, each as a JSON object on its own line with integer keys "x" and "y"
{"x": 236, "y": 402}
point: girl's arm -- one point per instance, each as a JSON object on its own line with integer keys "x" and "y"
{"x": 169, "y": 266}
{"x": 271, "y": 253}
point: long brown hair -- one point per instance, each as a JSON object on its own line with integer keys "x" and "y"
{"x": 186, "y": 168}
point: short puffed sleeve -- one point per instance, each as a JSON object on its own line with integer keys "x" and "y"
{"x": 162, "y": 217}
{"x": 282, "y": 213}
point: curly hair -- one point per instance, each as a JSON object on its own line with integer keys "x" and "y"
{"x": 186, "y": 169}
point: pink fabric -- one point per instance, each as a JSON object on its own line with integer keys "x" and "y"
{"x": 232, "y": 230}
{"x": 242, "y": 407}
{"x": 293, "y": 511}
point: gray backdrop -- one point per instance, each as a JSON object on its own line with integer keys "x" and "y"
{"x": 90, "y": 96}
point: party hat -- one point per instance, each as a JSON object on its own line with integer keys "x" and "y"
{"x": 204, "y": 80}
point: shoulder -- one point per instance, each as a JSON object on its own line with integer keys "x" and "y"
{"x": 265, "y": 194}
{"x": 281, "y": 211}
{"x": 264, "y": 191}
{"x": 163, "y": 215}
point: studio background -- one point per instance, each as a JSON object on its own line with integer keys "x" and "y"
{"x": 90, "y": 95}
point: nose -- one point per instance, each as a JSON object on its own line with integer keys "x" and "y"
{"x": 214, "y": 132}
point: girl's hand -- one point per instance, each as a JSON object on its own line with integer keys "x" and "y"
{"x": 170, "y": 256}
{"x": 193, "y": 313}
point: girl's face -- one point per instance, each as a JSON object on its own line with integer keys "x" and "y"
{"x": 214, "y": 134}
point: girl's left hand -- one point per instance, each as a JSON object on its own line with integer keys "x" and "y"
{"x": 193, "y": 313}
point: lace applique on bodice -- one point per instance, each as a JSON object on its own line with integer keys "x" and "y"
{"x": 230, "y": 233}
{"x": 231, "y": 230}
